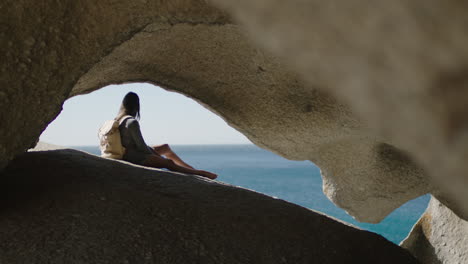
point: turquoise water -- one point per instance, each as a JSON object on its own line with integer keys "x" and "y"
{"x": 298, "y": 182}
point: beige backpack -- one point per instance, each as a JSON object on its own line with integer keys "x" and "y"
{"x": 109, "y": 139}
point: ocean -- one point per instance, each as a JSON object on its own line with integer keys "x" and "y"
{"x": 298, "y": 182}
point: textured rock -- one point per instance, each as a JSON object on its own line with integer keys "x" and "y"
{"x": 66, "y": 206}
{"x": 439, "y": 236}
{"x": 400, "y": 65}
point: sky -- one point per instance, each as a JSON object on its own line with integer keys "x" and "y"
{"x": 166, "y": 117}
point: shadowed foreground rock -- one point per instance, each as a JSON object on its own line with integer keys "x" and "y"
{"x": 66, "y": 206}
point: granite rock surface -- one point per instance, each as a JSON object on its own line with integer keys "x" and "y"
{"x": 440, "y": 236}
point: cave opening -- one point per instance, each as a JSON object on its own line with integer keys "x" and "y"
{"x": 206, "y": 141}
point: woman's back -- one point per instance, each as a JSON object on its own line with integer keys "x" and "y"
{"x": 132, "y": 140}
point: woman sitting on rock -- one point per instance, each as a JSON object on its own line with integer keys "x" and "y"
{"x": 136, "y": 150}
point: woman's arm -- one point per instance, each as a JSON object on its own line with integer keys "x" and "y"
{"x": 135, "y": 132}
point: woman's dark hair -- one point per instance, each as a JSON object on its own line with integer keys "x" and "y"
{"x": 130, "y": 106}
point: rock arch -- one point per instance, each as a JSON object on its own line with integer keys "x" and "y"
{"x": 55, "y": 50}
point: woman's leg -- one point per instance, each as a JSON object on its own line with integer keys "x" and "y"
{"x": 160, "y": 162}
{"x": 167, "y": 151}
